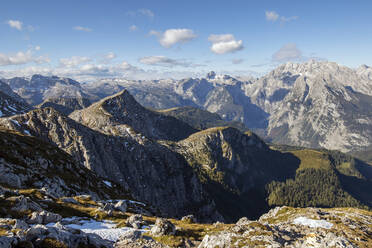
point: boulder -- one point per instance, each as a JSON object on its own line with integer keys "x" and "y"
{"x": 163, "y": 227}
{"x": 44, "y": 217}
{"x": 121, "y": 206}
{"x": 135, "y": 221}
{"x": 130, "y": 236}
{"x": 23, "y": 204}
{"x": 189, "y": 218}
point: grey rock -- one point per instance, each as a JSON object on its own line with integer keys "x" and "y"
{"x": 189, "y": 218}
{"x": 163, "y": 227}
{"x": 121, "y": 206}
{"x": 8, "y": 242}
{"x": 136, "y": 221}
{"x": 44, "y": 217}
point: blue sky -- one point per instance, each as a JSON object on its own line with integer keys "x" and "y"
{"x": 154, "y": 39}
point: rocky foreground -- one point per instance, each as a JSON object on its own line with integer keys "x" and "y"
{"x": 32, "y": 218}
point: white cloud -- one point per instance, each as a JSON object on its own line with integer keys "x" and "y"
{"x": 73, "y": 61}
{"x": 21, "y": 58}
{"x": 274, "y": 16}
{"x": 271, "y": 16}
{"x": 15, "y": 24}
{"x": 173, "y": 36}
{"x": 288, "y": 52}
{"x": 163, "y": 61}
{"x": 37, "y": 48}
{"x": 133, "y": 28}
{"x": 225, "y": 43}
{"x": 80, "y": 28}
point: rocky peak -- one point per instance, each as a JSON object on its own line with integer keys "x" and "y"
{"x": 115, "y": 114}
{"x": 211, "y": 75}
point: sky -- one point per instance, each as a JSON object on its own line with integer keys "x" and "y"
{"x": 151, "y": 39}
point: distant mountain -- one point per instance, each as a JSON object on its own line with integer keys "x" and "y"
{"x": 39, "y": 88}
{"x": 316, "y": 104}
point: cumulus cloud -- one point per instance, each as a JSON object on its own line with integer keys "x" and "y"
{"x": 37, "y": 48}
{"x": 271, "y": 16}
{"x": 84, "y": 29}
{"x": 274, "y": 16}
{"x": 288, "y": 52}
{"x": 15, "y": 24}
{"x": 20, "y": 58}
{"x": 133, "y": 28}
{"x": 170, "y": 37}
{"x": 225, "y": 43}
{"x": 73, "y": 61}
{"x": 163, "y": 61}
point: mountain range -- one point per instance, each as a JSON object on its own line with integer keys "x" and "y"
{"x": 314, "y": 104}
{"x": 189, "y": 146}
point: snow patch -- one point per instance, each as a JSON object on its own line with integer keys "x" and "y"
{"x": 312, "y": 223}
{"x": 105, "y": 229}
{"x": 108, "y": 183}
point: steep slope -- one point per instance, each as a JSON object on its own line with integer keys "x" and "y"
{"x": 152, "y": 173}
{"x": 8, "y": 91}
{"x": 27, "y": 162}
{"x": 237, "y": 167}
{"x": 115, "y": 114}
{"x": 200, "y": 119}
{"x": 10, "y": 106}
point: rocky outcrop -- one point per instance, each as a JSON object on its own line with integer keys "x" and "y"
{"x": 288, "y": 227}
